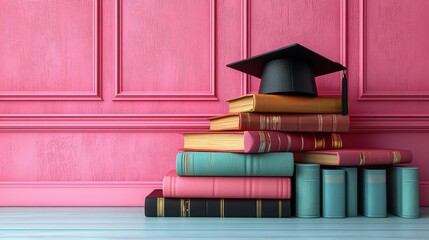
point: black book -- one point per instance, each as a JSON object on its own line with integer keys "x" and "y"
{"x": 158, "y": 206}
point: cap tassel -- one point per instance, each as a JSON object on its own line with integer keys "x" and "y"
{"x": 344, "y": 96}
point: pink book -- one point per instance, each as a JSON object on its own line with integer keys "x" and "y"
{"x": 355, "y": 157}
{"x": 226, "y": 187}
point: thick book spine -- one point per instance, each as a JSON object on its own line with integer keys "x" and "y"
{"x": 351, "y": 191}
{"x": 234, "y": 164}
{"x": 158, "y": 206}
{"x": 294, "y": 122}
{"x": 373, "y": 192}
{"x": 355, "y": 157}
{"x": 333, "y": 193}
{"x": 403, "y": 187}
{"x": 226, "y": 187}
{"x": 307, "y": 190}
{"x": 295, "y": 104}
{"x": 270, "y": 141}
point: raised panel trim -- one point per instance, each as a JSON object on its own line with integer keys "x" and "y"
{"x": 246, "y": 43}
{"x": 95, "y": 94}
{"x": 182, "y": 122}
{"x": 389, "y": 123}
{"x": 209, "y": 95}
{"x": 364, "y": 94}
{"x": 75, "y": 193}
{"x": 104, "y": 123}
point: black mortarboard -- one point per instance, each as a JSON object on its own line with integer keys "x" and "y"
{"x": 290, "y": 70}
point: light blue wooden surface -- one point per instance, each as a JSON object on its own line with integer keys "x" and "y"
{"x": 130, "y": 223}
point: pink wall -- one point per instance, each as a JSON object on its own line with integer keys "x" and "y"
{"x": 94, "y": 93}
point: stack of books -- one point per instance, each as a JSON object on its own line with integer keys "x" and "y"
{"x": 243, "y": 167}
{"x": 252, "y": 158}
{"x": 284, "y": 138}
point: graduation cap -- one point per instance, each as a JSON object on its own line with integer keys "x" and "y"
{"x": 291, "y": 71}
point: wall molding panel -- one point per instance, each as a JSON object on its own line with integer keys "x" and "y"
{"x": 94, "y": 94}
{"x": 364, "y": 93}
{"x": 246, "y": 43}
{"x": 121, "y": 94}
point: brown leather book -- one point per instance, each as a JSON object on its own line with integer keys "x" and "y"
{"x": 281, "y": 122}
{"x": 284, "y": 104}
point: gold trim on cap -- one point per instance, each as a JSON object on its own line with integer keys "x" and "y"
{"x": 160, "y": 207}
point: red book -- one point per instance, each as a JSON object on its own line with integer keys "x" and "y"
{"x": 226, "y": 187}
{"x": 355, "y": 157}
{"x": 260, "y": 141}
{"x": 281, "y": 122}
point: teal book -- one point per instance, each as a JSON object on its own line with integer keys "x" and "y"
{"x": 307, "y": 190}
{"x": 403, "y": 191}
{"x": 279, "y": 164}
{"x": 334, "y": 193}
{"x": 351, "y": 191}
{"x": 373, "y": 192}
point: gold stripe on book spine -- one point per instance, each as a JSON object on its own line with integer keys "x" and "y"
{"x": 182, "y": 208}
{"x": 262, "y": 122}
{"x": 261, "y": 141}
{"x": 269, "y": 141}
{"x": 396, "y": 157}
{"x": 276, "y": 123}
{"x": 319, "y": 143}
{"x": 280, "y": 208}
{"x": 336, "y": 141}
{"x": 222, "y": 207}
{"x": 185, "y": 207}
{"x": 160, "y": 207}
{"x": 186, "y": 160}
{"x": 362, "y": 159}
{"x": 248, "y": 120}
{"x": 258, "y": 208}
{"x": 302, "y": 142}
{"x": 320, "y": 118}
